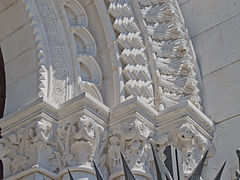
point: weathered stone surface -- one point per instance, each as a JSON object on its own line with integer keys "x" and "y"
{"x": 22, "y": 92}
{"x": 12, "y": 17}
{"x": 6, "y": 4}
{"x": 214, "y": 27}
{"x": 83, "y": 129}
{"x": 21, "y": 66}
{"x": 136, "y": 57}
{"x": 216, "y": 47}
{"x": 221, "y": 93}
{"x": 203, "y": 15}
{"x": 226, "y": 142}
{"x": 17, "y": 43}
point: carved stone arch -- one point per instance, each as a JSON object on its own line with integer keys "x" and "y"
{"x": 84, "y": 38}
{"x": 83, "y": 48}
{"x": 56, "y": 72}
{"x": 84, "y": 41}
{"x": 76, "y": 13}
{"x": 44, "y": 50}
{"x": 53, "y": 144}
{"x": 151, "y": 35}
{"x": 92, "y": 70}
{"x": 118, "y": 80}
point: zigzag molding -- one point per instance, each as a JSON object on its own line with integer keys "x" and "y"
{"x": 132, "y": 51}
{"x": 43, "y": 73}
{"x": 151, "y": 33}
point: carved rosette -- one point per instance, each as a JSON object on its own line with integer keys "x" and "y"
{"x": 53, "y": 147}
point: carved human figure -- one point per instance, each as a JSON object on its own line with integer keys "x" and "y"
{"x": 114, "y": 157}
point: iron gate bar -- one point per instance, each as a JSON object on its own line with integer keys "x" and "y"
{"x": 127, "y": 171}
{"x": 219, "y": 174}
{"x": 1, "y": 170}
{"x": 2, "y": 85}
{"x": 98, "y": 174}
{"x": 161, "y": 169}
{"x": 198, "y": 171}
{"x": 70, "y": 175}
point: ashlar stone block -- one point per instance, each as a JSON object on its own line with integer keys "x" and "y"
{"x": 11, "y": 18}
{"x": 202, "y": 15}
{"x": 216, "y": 48}
{"x": 221, "y": 93}
{"x": 226, "y": 142}
{"x": 17, "y": 43}
{"x": 21, "y": 66}
{"x": 21, "y": 93}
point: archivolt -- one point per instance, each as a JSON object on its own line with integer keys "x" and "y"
{"x": 151, "y": 35}
{"x": 55, "y": 71}
{"x": 150, "y": 51}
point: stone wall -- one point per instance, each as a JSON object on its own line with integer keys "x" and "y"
{"x": 214, "y": 29}
{"x": 18, "y": 46}
{"x": 35, "y": 54}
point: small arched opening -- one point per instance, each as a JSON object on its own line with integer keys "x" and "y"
{"x": 2, "y": 85}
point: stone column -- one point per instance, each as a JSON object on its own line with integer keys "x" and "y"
{"x": 45, "y": 142}
{"x": 132, "y": 138}
{"x": 134, "y": 125}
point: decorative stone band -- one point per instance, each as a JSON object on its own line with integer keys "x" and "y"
{"x": 133, "y": 126}
{"x": 42, "y": 141}
{"x": 155, "y": 51}
{"x": 50, "y": 140}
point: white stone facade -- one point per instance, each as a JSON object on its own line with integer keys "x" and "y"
{"x": 88, "y": 79}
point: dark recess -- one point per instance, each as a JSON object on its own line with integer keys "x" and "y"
{"x": 2, "y": 85}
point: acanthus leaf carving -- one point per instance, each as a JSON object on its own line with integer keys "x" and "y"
{"x": 80, "y": 141}
{"x": 20, "y": 150}
{"x": 177, "y": 77}
{"x": 71, "y": 144}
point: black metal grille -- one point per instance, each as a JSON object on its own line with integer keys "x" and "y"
{"x": 162, "y": 172}
{"x": 2, "y": 85}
